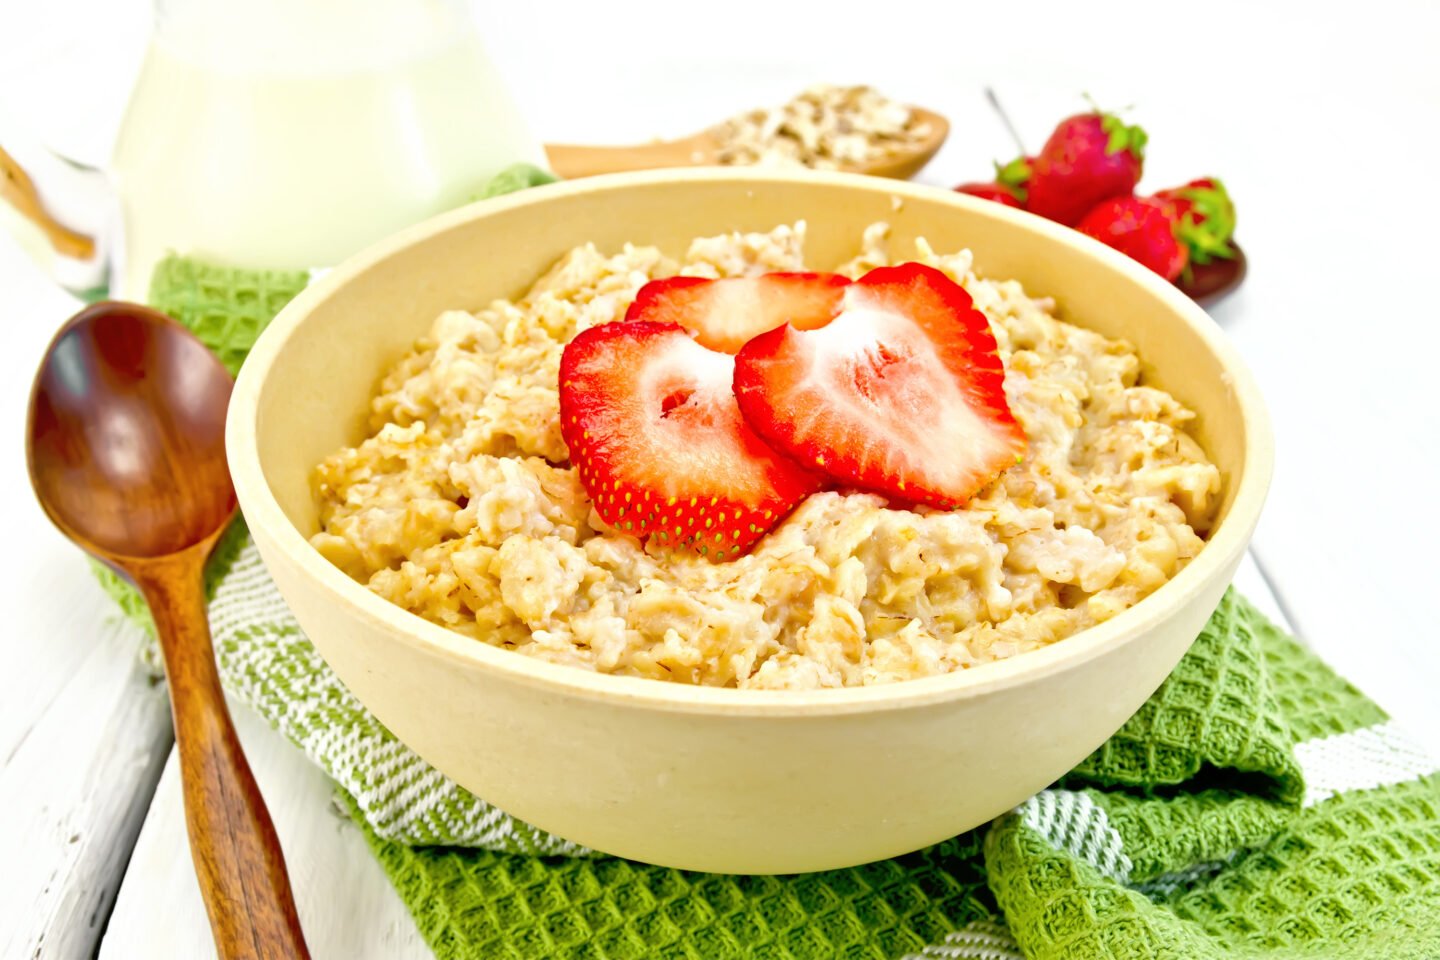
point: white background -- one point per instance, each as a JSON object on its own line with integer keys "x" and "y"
{"x": 1321, "y": 117}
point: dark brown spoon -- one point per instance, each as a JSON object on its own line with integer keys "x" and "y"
{"x": 1210, "y": 282}
{"x": 126, "y": 446}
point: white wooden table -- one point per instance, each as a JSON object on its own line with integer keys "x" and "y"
{"x": 1320, "y": 126}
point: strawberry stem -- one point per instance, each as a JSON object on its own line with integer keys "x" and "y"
{"x": 1206, "y": 228}
{"x": 1015, "y": 175}
{"x": 1130, "y": 137}
{"x": 1123, "y": 136}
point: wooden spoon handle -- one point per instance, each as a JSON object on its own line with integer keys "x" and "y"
{"x": 237, "y": 855}
{"x": 572, "y": 161}
{"x": 18, "y": 190}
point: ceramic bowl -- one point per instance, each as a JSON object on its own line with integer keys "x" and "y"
{"x": 739, "y": 781}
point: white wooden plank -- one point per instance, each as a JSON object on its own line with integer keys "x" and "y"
{"x": 1250, "y": 581}
{"x": 347, "y": 906}
{"x": 75, "y": 792}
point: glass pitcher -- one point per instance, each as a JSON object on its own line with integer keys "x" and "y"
{"x": 291, "y": 133}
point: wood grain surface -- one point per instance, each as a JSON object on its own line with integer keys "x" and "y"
{"x": 569, "y": 161}
{"x": 17, "y": 189}
{"x": 238, "y": 860}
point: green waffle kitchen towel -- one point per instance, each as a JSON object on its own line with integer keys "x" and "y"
{"x": 1256, "y": 806}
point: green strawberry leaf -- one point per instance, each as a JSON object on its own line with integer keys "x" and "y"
{"x": 1207, "y": 226}
{"x": 1014, "y": 176}
{"x": 1016, "y": 173}
{"x": 1131, "y": 137}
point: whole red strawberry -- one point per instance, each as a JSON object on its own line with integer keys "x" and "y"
{"x": 1204, "y": 218}
{"x": 997, "y": 192}
{"x": 1008, "y": 187}
{"x": 1090, "y": 157}
{"x": 1140, "y": 228}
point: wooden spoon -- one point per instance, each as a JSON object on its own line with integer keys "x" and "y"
{"x": 126, "y": 446}
{"x": 702, "y": 149}
{"x": 1208, "y": 284}
{"x": 17, "y": 189}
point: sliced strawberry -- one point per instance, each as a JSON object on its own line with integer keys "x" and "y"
{"x": 902, "y": 393}
{"x": 653, "y": 427}
{"x": 726, "y": 314}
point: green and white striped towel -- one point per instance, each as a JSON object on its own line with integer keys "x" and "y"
{"x": 1256, "y": 806}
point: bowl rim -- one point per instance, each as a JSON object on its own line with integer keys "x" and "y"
{"x": 264, "y": 515}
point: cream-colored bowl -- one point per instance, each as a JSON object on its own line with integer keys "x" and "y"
{"x": 707, "y": 779}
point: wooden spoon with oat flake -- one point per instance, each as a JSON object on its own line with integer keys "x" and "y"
{"x": 703, "y": 149}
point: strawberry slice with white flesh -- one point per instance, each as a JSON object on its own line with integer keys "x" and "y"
{"x": 902, "y": 393}
{"x": 652, "y": 426}
{"x": 726, "y": 314}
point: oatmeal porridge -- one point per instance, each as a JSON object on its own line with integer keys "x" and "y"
{"x": 462, "y": 505}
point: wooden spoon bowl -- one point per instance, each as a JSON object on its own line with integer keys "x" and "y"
{"x": 127, "y": 430}
{"x": 569, "y": 161}
{"x": 126, "y": 448}
{"x": 1209, "y": 283}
